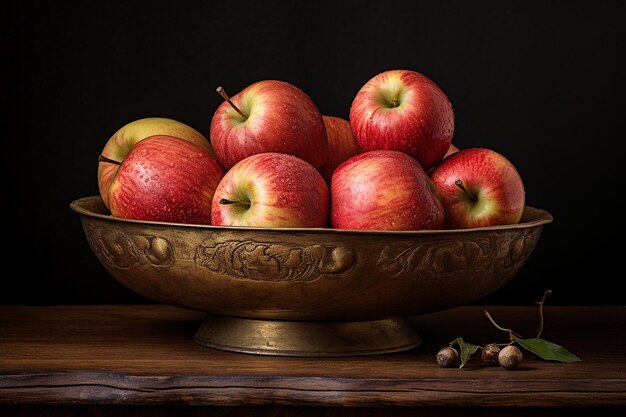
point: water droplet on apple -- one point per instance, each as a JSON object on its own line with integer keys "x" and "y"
{"x": 155, "y": 177}
{"x": 147, "y": 180}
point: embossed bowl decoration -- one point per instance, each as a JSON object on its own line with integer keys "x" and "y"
{"x": 317, "y": 291}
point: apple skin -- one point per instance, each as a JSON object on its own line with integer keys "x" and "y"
{"x": 164, "y": 178}
{"x": 384, "y": 190}
{"x": 452, "y": 149}
{"x": 281, "y": 118}
{"x": 122, "y": 141}
{"x": 341, "y": 145}
{"x": 421, "y": 125}
{"x": 278, "y": 190}
{"x": 487, "y": 175}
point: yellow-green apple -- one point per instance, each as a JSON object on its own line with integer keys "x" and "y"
{"x": 341, "y": 145}
{"x": 164, "y": 178}
{"x": 122, "y": 141}
{"x": 268, "y": 116}
{"x": 384, "y": 190}
{"x": 271, "y": 189}
{"x": 405, "y": 111}
{"x": 479, "y": 187}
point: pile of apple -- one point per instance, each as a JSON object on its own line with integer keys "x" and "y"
{"x": 274, "y": 160}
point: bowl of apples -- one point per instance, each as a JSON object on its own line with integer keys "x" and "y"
{"x": 321, "y": 249}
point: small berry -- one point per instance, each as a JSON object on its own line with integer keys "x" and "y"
{"x": 510, "y": 357}
{"x": 448, "y": 357}
{"x": 490, "y": 353}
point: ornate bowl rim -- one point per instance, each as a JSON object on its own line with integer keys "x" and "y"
{"x": 532, "y": 217}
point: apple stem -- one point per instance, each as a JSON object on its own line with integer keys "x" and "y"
{"x": 396, "y": 103}
{"x": 460, "y": 184}
{"x": 222, "y": 93}
{"x": 103, "y": 158}
{"x": 225, "y": 201}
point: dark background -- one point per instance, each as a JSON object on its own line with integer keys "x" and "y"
{"x": 541, "y": 83}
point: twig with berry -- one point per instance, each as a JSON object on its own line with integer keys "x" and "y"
{"x": 507, "y": 355}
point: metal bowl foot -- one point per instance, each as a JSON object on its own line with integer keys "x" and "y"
{"x": 307, "y": 338}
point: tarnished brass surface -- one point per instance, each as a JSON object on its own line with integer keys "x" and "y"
{"x": 307, "y": 292}
{"x": 307, "y": 338}
{"x": 307, "y": 274}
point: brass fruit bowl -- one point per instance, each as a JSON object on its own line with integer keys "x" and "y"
{"x": 314, "y": 291}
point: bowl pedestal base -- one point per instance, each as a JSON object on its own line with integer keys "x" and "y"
{"x": 307, "y": 338}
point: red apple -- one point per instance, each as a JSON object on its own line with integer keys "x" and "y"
{"x": 271, "y": 189}
{"x": 405, "y": 111}
{"x": 384, "y": 190}
{"x": 268, "y": 116}
{"x": 341, "y": 145}
{"x": 122, "y": 141}
{"x": 479, "y": 187}
{"x": 168, "y": 179}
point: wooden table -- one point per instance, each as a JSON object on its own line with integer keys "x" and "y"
{"x": 141, "y": 360}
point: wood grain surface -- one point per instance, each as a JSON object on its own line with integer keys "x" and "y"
{"x": 144, "y": 355}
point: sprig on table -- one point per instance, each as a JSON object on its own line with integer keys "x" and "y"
{"x": 509, "y": 356}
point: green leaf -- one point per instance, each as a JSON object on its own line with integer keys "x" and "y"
{"x": 547, "y": 350}
{"x": 467, "y": 349}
